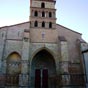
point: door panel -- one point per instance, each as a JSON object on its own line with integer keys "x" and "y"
{"x": 45, "y": 78}
{"x": 37, "y": 78}
{"x": 41, "y": 78}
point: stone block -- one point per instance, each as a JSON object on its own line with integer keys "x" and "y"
{"x": 23, "y": 80}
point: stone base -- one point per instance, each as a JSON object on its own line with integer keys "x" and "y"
{"x": 23, "y": 80}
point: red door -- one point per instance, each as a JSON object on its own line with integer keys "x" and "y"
{"x": 37, "y": 78}
{"x": 41, "y": 78}
{"x": 45, "y": 78}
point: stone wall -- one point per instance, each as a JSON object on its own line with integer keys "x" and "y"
{"x": 71, "y": 37}
{"x": 11, "y": 38}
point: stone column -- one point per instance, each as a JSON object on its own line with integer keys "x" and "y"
{"x": 64, "y": 62}
{"x": 39, "y": 13}
{"x": 24, "y": 76}
{"x": 84, "y": 50}
{"x": 32, "y": 13}
{"x": 2, "y": 51}
{"x": 4, "y": 67}
{"x": 47, "y": 14}
{"x": 53, "y": 14}
{"x": 39, "y": 24}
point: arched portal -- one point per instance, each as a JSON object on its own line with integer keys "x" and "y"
{"x": 43, "y": 70}
{"x": 13, "y": 69}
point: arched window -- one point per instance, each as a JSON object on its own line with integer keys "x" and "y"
{"x": 50, "y": 14}
{"x": 50, "y": 24}
{"x": 36, "y": 24}
{"x": 43, "y": 14}
{"x": 42, "y": 5}
{"x": 35, "y": 13}
{"x": 13, "y": 69}
{"x": 43, "y": 24}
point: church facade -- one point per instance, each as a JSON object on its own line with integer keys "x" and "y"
{"x": 41, "y": 53}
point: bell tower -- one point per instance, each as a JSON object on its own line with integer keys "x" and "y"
{"x": 42, "y": 14}
{"x": 42, "y": 18}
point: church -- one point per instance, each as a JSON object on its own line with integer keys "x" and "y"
{"x": 41, "y": 53}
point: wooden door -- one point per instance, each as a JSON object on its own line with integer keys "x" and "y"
{"x": 37, "y": 78}
{"x": 45, "y": 78}
{"x": 41, "y": 78}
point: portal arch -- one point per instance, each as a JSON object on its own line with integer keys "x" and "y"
{"x": 43, "y": 48}
{"x": 42, "y": 61}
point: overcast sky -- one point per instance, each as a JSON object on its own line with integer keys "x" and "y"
{"x": 72, "y": 14}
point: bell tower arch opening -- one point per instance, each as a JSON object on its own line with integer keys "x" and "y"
{"x": 43, "y": 70}
{"x": 42, "y": 5}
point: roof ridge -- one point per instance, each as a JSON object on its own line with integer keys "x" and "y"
{"x": 15, "y": 24}
{"x": 68, "y": 29}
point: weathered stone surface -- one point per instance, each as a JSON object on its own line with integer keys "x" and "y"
{"x": 84, "y": 46}
{"x": 23, "y": 80}
{"x": 12, "y": 46}
{"x": 38, "y": 4}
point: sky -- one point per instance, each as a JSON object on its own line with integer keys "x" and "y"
{"x": 72, "y": 14}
